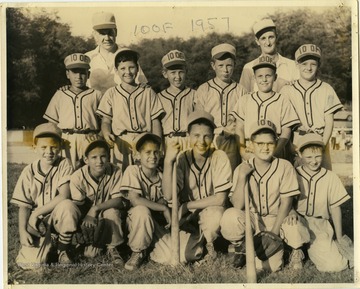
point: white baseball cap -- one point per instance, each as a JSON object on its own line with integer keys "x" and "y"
{"x": 307, "y": 50}
{"x": 93, "y": 141}
{"x": 219, "y": 50}
{"x": 263, "y": 25}
{"x": 309, "y": 139}
{"x": 173, "y": 57}
{"x": 103, "y": 20}
{"x": 122, "y": 50}
{"x": 47, "y": 129}
{"x": 200, "y": 114}
{"x": 264, "y": 61}
{"x": 77, "y": 60}
{"x": 139, "y": 141}
{"x": 262, "y": 124}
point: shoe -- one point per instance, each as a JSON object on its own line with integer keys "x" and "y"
{"x": 211, "y": 253}
{"x": 135, "y": 260}
{"x": 239, "y": 256}
{"x": 64, "y": 258}
{"x": 296, "y": 258}
{"x": 114, "y": 255}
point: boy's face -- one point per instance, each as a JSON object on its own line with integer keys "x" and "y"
{"x": 223, "y": 69}
{"x": 77, "y": 77}
{"x": 201, "y": 137}
{"x": 48, "y": 149}
{"x": 105, "y": 38}
{"x": 267, "y": 42}
{"x": 149, "y": 155}
{"x": 127, "y": 71}
{"x": 265, "y": 77}
{"x": 97, "y": 159}
{"x": 264, "y": 146}
{"x": 308, "y": 69}
{"x": 175, "y": 77}
{"x": 312, "y": 158}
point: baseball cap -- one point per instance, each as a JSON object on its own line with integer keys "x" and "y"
{"x": 219, "y": 50}
{"x": 262, "y": 124}
{"x": 262, "y": 26}
{"x": 77, "y": 60}
{"x": 264, "y": 61}
{"x": 47, "y": 129}
{"x": 103, "y": 20}
{"x": 139, "y": 141}
{"x": 200, "y": 114}
{"x": 92, "y": 142}
{"x": 122, "y": 50}
{"x": 309, "y": 139}
{"x": 307, "y": 50}
{"x": 173, "y": 57}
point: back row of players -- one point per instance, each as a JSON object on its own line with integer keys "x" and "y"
{"x": 255, "y": 123}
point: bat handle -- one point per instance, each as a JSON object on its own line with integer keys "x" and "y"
{"x": 175, "y": 240}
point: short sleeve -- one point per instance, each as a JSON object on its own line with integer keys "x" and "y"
{"x": 332, "y": 101}
{"x": 77, "y": 190}
{"x": 157, "y": 110}
{"x": 199, "y": 100}
{"x": 246, "y": 78}
{"x": 106, "y": 105}
{"x": 221, "y": 172}
{"x": 22, "y": 195}
{"x": 289, "y": 185}
{"x": 116, "y": 184}
{"x": 52, "y": 110}
{"x": 131, "y": 180}
{"x": 338, "y": 195}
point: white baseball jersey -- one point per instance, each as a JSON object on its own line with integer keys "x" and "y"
{"x": 35, "y": 189}
{"x": 195, "y": 183}
{"x": 134, "y": 179}
{"x": 319, "y": 193}
{"x": 266, "y": 190}
{"x": 131, "y": 112}
{"x": 177, "y": 108}
{"x": 286, "y": 71}
{"x": 102, "y": 73}
{"x": 313, "y": 104}
{"x": 278, "y": 109}
{"x": 83, "y": 185}
{"x": 218, "y": 101}
{"x": 74, "y": 111}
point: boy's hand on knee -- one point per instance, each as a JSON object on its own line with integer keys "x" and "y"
{"x": 26, "y": 239}
{"x": 167, "y": 217}
{"x": 292, "y": 218}
{"x": 90, "y": 220}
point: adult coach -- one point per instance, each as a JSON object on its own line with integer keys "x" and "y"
{"x": 265, "y": 37}
{"x": 102, "y": 72}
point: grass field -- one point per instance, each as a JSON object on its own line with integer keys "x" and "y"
{"x": 100, "y": 271}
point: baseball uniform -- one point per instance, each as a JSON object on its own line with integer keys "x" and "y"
{"x": 320, "y": 193}
{"x": 75, "y": 115}
{"x": 219, "y": 102}
{"x": 286, "y": 71}
{"x": 265, "y": 193}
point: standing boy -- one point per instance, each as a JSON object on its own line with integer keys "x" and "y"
{"x": 322, "y": 195}
{"x": 315, "y": 101}
{"x": 177, "y": 99}
{"x": 42, "y": 194}
{"x": 73, "y": 109}
{"x": 142, "y": 186}
{"x": 203, "y": 179}
{"x": 265, "y": 104}
{"x": 272, "y": 184}
{"x": 128, "y": 109}
{"x": 218, "y": 96}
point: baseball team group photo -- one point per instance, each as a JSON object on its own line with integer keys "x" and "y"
{"x": 153, "y": 144}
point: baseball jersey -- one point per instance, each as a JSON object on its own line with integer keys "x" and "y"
{"x": 130, "y": 112}
{"x": 319, "y": 193}
{"x": 286, "y": 71}
{"x": 177, "y": 108}
{"x": 195, "y": 183}
{"x": 103, "y": 74}
{"x": 135, "y": 180}
{"x": 266, "y": 190}
{"x": 277, "y": 108}
{"x": 84, "y": 185}
{"x": 35, "y": 189}
{"x": 74, "y": 111}
{"x": 313, "y": 104}
{"x": 218, "y": 101}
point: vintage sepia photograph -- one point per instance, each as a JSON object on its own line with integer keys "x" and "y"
{"x": 209, "y": 143}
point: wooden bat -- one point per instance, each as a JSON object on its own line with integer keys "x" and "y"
{"x": 249, "y": 241}
{"x": 175, "y": 238}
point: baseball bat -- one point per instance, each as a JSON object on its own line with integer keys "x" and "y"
{"x": 175, "y": 238}
{"x": 249, "y": 241}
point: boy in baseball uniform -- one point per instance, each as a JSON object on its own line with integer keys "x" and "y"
{"x": 265, "y": 104}
{"x": 315, "y": 101}
{"x": 218, "y": 96}
{"x": 128, "y": 109}
{"x": 95, "y": 189}
{"x": 73, "y": 109}
{"x": 177, "y": 99}
{"x": 42, "y": 194}
{"x": 322, "y": 195}
{"x": 203, "y": 179}
{"x": 272, "y": 186}
{"x": 266, "y": 38}
{"x": 142, "y": 186}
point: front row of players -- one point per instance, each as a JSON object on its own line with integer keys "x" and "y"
{"x": 97, "y": 208}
